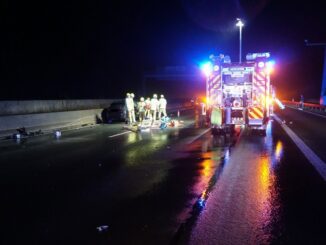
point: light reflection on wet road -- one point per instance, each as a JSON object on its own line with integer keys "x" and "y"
{"x": 244, "y": 200}
{"x": 144, "y": 185}
{"x": 137, "y": 184}
{"x": 249, "y": 202}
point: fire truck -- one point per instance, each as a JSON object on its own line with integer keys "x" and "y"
{"x": 239, "y": 93}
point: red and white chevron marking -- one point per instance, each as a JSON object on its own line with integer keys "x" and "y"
{"x": 259, "y": 86}
{"x": 260, "y": 82}
{"x": 213, "y": 86}
{"x": 215, "y": 82}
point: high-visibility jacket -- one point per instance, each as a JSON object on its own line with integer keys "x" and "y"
{"x": 141, "y": 106}
{"x": 130, "y": 104}
{"x": 162, "y": 103}
{"x": 154, "y": 104}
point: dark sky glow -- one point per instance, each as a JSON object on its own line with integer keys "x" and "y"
{"x": 100, "y": 49}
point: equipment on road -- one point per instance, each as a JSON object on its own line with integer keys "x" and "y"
{"x": 239, "y": 93}
{"x": 148, "y": 124}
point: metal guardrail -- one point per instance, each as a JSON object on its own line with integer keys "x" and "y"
{"x": 179, "y": 106}
{"x": 307, "y": 106}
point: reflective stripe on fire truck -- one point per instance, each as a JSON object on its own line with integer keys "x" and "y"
{"x": 214, "y": 84}
{"x": 255, "y": 113}
{"x": 259, "y": 84}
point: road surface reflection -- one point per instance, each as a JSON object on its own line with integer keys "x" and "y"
{"x": 243, "y": 204}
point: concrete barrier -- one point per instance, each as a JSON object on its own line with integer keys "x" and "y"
{"x": 42, "y": 106}
{"x": 47, "y": 115}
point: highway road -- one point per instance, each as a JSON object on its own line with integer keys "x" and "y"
{"x": 309, "y": 126}
{"x": 268, "y": 193}
{"x": 106, "y": 185}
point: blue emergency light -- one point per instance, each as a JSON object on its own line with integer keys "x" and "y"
{"x": 207, "y": 68}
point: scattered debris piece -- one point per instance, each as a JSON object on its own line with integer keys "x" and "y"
{"x": 17, "y": 136}
{"x": 146, "y": 124}
{"x": 132, "y": 128}
{"x": 57, "y": 133}
{"x": 22, "y": 131}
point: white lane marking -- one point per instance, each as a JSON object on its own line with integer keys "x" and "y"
{"x": 193, "y": 139}
{"x": 312, "y": 113}
{"x": 115, "y": 135}
{"x": 319, "y": 164}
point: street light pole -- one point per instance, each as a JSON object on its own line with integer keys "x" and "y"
{"x": 240, "y": 25}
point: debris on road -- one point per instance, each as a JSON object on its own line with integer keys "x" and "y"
{"x": 57, "y": 134}
{"x": 147, "y": 124}
{"x": 133, "y": 128}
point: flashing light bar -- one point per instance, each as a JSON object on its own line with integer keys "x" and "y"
{"x": 254, "y": 56}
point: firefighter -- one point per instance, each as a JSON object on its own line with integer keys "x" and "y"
{"x": 301, "y": 101}
{"x": 141, "y": 109}
{"x": 202, "y": 121}
{"x": 129, "y": 106}
{"x": 244, "y": 98}
{"x": 228, "y": 108}
{"x": 154, "y": 107}
{"x": 228, "y": 100}
{"x": 162, "y": 106}
{"x": 244, "y": 105}
{"x": 132, "y": 96}
{"x": 148, "y": 108}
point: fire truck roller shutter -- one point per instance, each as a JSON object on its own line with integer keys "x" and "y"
{"x": 216, "y": 116}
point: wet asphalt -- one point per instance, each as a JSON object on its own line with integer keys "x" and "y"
{"x": 160, "y": 187}
{"x": 309, "y": 126}
{"x": 267, "y": 193}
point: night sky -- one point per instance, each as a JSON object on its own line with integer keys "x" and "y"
{"x": 100, "y": 49}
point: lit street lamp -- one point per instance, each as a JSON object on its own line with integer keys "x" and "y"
{"x": 240, "y": 25}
